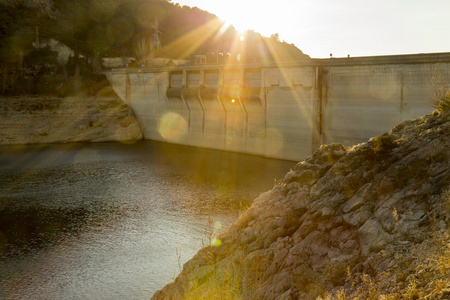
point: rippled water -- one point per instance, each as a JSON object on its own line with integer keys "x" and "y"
{"x": 105, "y": 221}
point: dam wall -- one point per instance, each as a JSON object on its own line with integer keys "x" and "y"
{"x": 281, "y": 110}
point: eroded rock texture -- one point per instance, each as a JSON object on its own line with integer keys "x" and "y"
{"x": 62, "y": 120}
{"x": 363, "y": 210}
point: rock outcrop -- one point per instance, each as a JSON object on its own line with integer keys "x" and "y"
{"x": 62, "y": 120}
{"x": 363, "y": 222}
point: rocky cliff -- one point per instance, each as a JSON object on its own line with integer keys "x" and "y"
{"x": 361, "y": 223}
{"x": 62, "y": 120}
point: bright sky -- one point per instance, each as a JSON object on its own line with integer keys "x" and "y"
{"x": 341, "y": 27}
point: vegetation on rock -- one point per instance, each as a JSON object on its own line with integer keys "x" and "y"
{"x": 443, "y": 103}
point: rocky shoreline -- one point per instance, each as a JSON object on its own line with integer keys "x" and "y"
{"x": 370, "y": 222}
{"x": 34, "y": 120}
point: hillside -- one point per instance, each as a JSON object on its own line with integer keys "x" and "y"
{"x": 65, "y": 39}
{"x": 370, "y": 222}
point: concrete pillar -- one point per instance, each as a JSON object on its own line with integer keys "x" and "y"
{"x": 220, "y": 81}
{"x": 317, "y": 138}
{"x": 184, "y": 79}
{"x": 128, "y": 89}
{"x": 202, "y": 78}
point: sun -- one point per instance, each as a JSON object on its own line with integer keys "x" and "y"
{"x": 243, "y": 15}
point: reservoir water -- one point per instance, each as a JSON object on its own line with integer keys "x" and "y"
{"x": 106, "y": 221}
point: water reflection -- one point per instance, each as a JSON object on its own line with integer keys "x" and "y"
{"x": 105, "y": 220}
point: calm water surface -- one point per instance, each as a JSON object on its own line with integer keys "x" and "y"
{"x": 105, "y": 221}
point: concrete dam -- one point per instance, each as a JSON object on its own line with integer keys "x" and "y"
{"x": 282, "y": 110}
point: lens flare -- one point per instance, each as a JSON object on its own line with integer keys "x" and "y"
{"x": 384, "y": 88}
{"x": 275, "y": 141}
{"x": 217, "y": 225}
{"x": 224, "y": 27}
{"x": 172, "y": 127}
{"x": 216, "y": 242}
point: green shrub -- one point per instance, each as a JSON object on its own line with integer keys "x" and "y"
{"x": 443, "y": 104}
{"x": 383, "y": 144}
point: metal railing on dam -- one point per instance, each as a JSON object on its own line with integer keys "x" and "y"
{"x": 282, "y": 110}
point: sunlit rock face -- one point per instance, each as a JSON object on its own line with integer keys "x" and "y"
{"x": 339, "y": 214}
{"x": 62, "y": 120}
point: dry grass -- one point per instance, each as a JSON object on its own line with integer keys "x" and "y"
{"x": 234, "y": 275}
{"x": 422, "y": 272}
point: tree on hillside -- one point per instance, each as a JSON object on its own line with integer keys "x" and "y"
{"x": 18, "y": 22}
{"x": 94, "y": 29}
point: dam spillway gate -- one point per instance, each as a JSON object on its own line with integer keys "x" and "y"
{"x": 281, "y": 110}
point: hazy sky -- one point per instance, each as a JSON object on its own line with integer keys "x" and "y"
{"x": 341, "y": 27}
